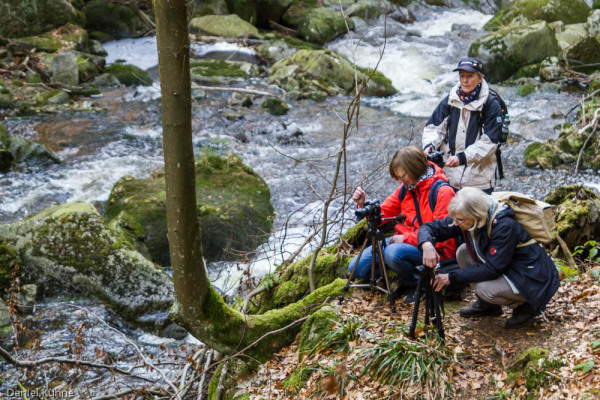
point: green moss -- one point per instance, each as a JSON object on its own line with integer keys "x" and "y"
{"x": 525, "y": 90}
{"x": 129, "y": 75}
{"x": 216, "y": 68}
{"x": 528, "y": 71}
{"x": 275, "y": 106}
{"x": 534, "y": 366}
{"x": 297, "y": 379}
{"x": 234, "y": 208}
{"x": 316, "y": 327}
{"x": 18, "y": 83}
{"x": 34, "y": 78}
{"x": 567, "y": 11}
{"x": 9, "y": 259}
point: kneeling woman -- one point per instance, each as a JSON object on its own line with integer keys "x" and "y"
{"x": 505, "y": 266}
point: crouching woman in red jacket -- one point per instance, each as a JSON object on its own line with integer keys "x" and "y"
{"x": 412, "y": 198}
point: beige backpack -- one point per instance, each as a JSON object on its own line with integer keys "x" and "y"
{"x": 534, "y": 215}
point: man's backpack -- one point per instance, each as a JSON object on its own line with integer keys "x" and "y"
{"x": 505, "y": 123}
{"x": 535, "y": 216}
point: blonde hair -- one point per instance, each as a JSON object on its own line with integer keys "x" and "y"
{"x": 412, "y": 160}
{"x": 471, "y": 203}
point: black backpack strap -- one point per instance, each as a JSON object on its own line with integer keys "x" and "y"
{"x": 433, "y": 192}
{"x": 417, "y": 210}
{"x": 402, "y": 193}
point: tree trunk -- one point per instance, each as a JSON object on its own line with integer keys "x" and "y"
{"x": 198, "y": 307}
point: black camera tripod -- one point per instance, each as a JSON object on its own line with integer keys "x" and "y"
{"x": 377, "y": 240}
{"x": 434, "y": 304}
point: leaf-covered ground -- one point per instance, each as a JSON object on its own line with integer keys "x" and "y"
{"x": 476, "y": 361}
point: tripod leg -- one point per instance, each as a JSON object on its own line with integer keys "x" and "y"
{"x": 385, "y": 276}
{"x": 347, "y": 286}
{"x": 415, "y": 315}
{"x": 438, "y": 305}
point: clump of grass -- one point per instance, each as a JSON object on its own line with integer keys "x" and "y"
{"x": 407, "y": 365}
{"x": 341, "y": 337}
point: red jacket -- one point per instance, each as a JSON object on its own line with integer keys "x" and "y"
{"x": 392, "y": 207}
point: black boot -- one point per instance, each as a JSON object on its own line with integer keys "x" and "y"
{"x": 522, "y": 316}
{"x": 480, "y": 308}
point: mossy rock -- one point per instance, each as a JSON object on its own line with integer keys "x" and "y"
{"x": 505, "y": 51}
{"x": 5, "y": 324}
{"x": 67, "y": 37}
{"x": 526, "y": 90}
{"x": 524, "y": 11}
{"x": 129, "y": 75}
{"x": 9, "y": 260}
{"x": 317, "y": 74}
{"x": 322, "y": 25}
{"x": 543, "y": 155}
{"x": 275, "y": 106}
{"x": 314, "y": 330}
{"x": 533, "y": 366}
{"x": 570, "y": 34}
{"x": 21, "y": 151}
{"x": 577, "y": 214}
{"x": 119, "y": 20}
{"x": 25, "y": 18}
{"x": 221, "y": 71}
{"x": 368, "y": 9}
{"x": 584, "y": 52}
{"x": 6, "y": 101}
{"x": 528, "y": 71}
{"x": 234, "y": 209}
{"x": 68, "y": 249}
{"x": 224, "y": 26}
{"x": 277, "y": 47}
{"x": 199, "y": 8}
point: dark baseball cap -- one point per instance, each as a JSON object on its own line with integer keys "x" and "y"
{"x": 470, "y": 64}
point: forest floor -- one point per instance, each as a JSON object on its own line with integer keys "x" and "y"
{"x": 475, "y": 362}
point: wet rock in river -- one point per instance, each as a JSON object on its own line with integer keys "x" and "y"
{"x": 505, "y": 51}
{"x": 523, "y": 12}
{"x": 223, "y": 25}
{"x": 17, "y": 150}
{"x": 23, "y": 18}
{"x": 118, "y": 19}
{"x": 234, "y": 209}
{"x": 69, "y": 249}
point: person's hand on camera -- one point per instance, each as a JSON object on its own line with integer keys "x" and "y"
{"x": 397, "y": 239}
{"x": 359, "y": 197}
{"x": 428, "y": 150}
{"x": 440, "y": 281}
{"x": 430, "y": 255}
{"x": 452, "y": 162}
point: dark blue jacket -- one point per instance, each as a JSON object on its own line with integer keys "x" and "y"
{"x": 528, "y": 267}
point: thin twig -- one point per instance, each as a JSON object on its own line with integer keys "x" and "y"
{"x": 233, "y": 89}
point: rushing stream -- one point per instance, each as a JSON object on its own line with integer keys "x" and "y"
{"x": 295, "y": 154}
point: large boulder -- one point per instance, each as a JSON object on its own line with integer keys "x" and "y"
{"x": 577, "y": 214}
{"x": 234, "y": 209}
{"x": 64, "y": 68}
{"x": 568, "y": 35}
{"x": 317, "y": 74}
{"x": 223, "y": 25}
{"x": 118, "y": 19}
{"x": 523, "y": 12}
{"x": 25, "y": 18}
{"x": 68, "y": 249}
{"x": 260, "y": 12}
{"x": 505, "y": 51}
{"x": 322, "y": 25}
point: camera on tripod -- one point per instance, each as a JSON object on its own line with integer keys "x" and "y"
{"x": 371, "y": 209}
{"x": 436, "y": 157}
